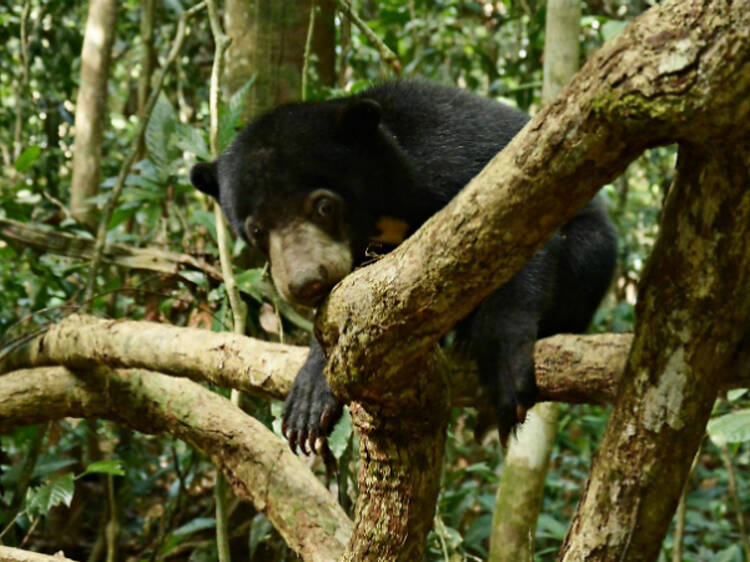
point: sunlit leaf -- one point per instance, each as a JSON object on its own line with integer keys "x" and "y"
{"x": 197, "y": 524}
{"x": 110, "y": 466}
{"x": 733, "y": 427}
{"x": 342, "y": 431}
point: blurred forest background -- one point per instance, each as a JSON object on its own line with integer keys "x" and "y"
{"x": 58, "y": 482}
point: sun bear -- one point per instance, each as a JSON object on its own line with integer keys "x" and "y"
{"x": 315, "y": 184}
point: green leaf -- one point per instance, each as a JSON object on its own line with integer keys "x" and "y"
{"x": 733, "y": 427}
{"x": 191, "y": 139}
{"x": 120, "y": 215}
{"x": 259, "y": 530}
{"x": 159, "y": 132}
{"x": 205, "y": 219}
{"x": 547, "y": 526}
{"x": 27, "y": 158}
{"x": 339, "y": 438}
{"x": 229, "y": 115}
{"x": 111, "y": 466}
{"x": 58, "y": 490}
{"x": 195, "y": 277}
{"x": 268, "y": 292}
{"x": 732, "y": 553}
{"x": 478, "y": 532}
{"x": 197, "y": 524}
{"x": 736, "y": 393}
{"x": 248, "y": 281}
{"x": 45, "y": 468}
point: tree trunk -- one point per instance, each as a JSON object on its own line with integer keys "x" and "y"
{"x": 268, "y": 41}
{"x": 401, "y": 459}
{"x": 521, "y": 489}
{"x": 91, "y": 107}
{"x": 693, "y": 309}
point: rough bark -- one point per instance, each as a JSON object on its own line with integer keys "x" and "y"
{"x": 521, "y": 489}
{"x": 91, "y": 106}
{"x": 569, "y": 368}
{"x": 148, "y": 53}
{"x": 147, "y": 59}
{"x": 692, "y": 312}
{"x": 562, "y": 49}
{"x": 227, "y": 360}
{"x": 257, "y": 463}
{"x": 401, "y": 455}
{"x": 268, "y": 41}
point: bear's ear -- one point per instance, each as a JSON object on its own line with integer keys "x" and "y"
{"x": 360, "y": 117}
{"x": 205, "y": 178}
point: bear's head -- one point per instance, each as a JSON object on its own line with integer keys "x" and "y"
{"x": 311, "y": 184}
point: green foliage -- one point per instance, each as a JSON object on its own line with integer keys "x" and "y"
{"x": 733, "y": 427}
{"x": 56, "y": 491}
{"x": 113, "y": 467}
{"x": 340, "y": 438}
{"x": 27, "y": 158}
{"x": 163, "y": 488}
{"x": 229, "y": 114}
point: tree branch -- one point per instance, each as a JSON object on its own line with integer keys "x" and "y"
{"x": 569, "y": 368}
{"x": 227, "y": 360}
{"x": 257, "y": 463}
{"x": 152, "y": 259}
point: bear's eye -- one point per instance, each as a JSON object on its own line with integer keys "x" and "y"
{"x": 324, "y": 207}
{"x": 255, "y": 233}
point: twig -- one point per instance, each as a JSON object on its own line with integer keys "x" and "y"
{"x": 31, "y": 530}
{"x": 113, "y": 525}
{"x": 308, "y": 46}
{"x": 727, "y": 459}
{"x": 101, "y": 236}
{"x": 21, "y": 88}
{"x": 221, "y": 43}
{"x": 679, "y": 531}
{"x": 388, "y": 56}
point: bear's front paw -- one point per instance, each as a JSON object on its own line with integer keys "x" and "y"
{"x": 310, "y": 411}
{"x": 514, "y": 394}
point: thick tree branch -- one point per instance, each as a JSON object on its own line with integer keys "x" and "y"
{"x": 569, "y": 368}
{"x": 692, "y": 313}
{"x": 227, "y": 360}
{"x": 258, "y": 464}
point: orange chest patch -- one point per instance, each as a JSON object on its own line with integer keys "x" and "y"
{"x": 392, "y": 231}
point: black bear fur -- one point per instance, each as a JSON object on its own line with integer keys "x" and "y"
{"x": 402, "y": 150}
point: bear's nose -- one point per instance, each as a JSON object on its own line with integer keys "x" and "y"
{"x": 308, "y": 290}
